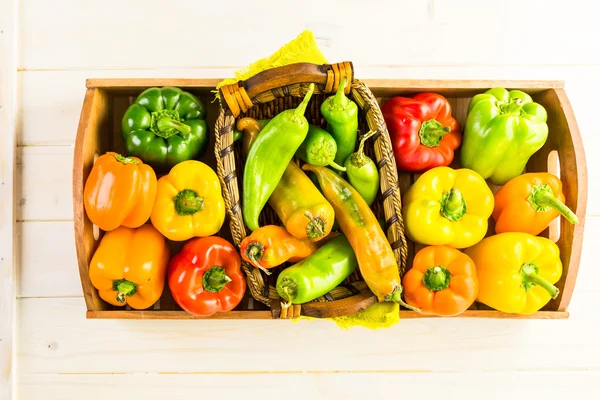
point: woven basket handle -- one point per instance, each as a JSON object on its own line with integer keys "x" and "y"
{"x": 327, "y": 77}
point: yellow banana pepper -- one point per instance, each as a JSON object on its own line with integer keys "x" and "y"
{"x": 448, "y": 207}
{"x": 189, "y": 202}
{"x": 516, "y": 271}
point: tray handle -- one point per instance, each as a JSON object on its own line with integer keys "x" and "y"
{"x": 239, "y": 96}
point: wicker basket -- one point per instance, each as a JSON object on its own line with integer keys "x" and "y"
{"x": 265, "y": 95}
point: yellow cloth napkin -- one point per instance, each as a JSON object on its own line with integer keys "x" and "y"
{"x": 302, "y": 49}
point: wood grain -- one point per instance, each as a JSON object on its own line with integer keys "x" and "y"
{"x": 91, "y": 141}
{"x": 55, "y": 345}
{"x": 9, "y": 241}
{"x": 313, "y": 385}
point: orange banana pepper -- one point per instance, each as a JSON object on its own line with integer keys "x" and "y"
{"x": 119, "y": 191}
{"x": 442, "y": 281}
{"x": 529, "y": 202}
{"x": 375, "y": 256}
{"x": 271, "y": 245}
{"x": 130, "y": 266}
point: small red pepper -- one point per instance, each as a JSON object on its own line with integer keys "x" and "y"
{"x": 205, "y": 276}
{"x": 423, "y": 132}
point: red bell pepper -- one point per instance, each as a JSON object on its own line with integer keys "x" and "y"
{"x": 205, "y": 276}
{"x": 423, "y": 132}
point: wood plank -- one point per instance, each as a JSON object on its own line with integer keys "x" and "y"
{"x": 48, "y": 262}
{"x": 46, "y": 188}
{"x": 8, "y": 233}
{"x": 76, "y": 28}
{"x": 70, "y": 39}
{"x": 315, "y": 386}
{"x": 51, "y": 335}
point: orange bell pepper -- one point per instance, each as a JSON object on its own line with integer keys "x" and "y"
{"x": 529, "y": 202}
{"x": 442, "y": 281}
{"x": 130, "y": 266}
{"x": 271, "y": 245}
{"x": 119, "y": 191}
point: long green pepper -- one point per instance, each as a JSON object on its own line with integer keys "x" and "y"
{"x": 269, "y": 156}
{"x": 319, "y": 273}
{"x": 341, "y": 115}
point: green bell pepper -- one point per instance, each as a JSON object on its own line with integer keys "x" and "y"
{"x": 165, "y": 126}
{"x": 503, "y": 130}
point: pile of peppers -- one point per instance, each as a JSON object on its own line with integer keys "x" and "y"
{"x": 447, "y": 209}
{"x": 477, "y": 220}
{"x": 340, "y": 190}
{"x": 159, "y": 192}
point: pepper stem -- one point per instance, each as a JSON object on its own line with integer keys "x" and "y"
{"x": 530, "y": 277}
{"x": 542, "y": 199}
{"x": 340, "y": 96}
{"x": 453, "y": 205}
{"x": 255, "y": 253}
{"x": 289, "y": 289}
{"x": 432, "y": 132}
{"x": 215, "y": 279}
{"x": 359, "y": 158}
{"x": 437, "y": 278}
{"x": 299, "y": 111}
{"x": 126, "y": 160}
{"x": 166, "y": 125}
{"x": 124, "y": 288}
{"x": 188, "y": 202}
{"x": 396, "y": 297}
{"x": 337, "y": 166}
{"x": 514, "y": 107}
{"x": 315, "y": 228}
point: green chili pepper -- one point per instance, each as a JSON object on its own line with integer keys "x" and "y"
{"x": 362, "y": 172}
{"x": 319, "y": 273}
{"x": 165, "y": 126}
{"x": 341, "y": 115}
{"x": 269, "y": 156}
{"x": 319, "y": 148}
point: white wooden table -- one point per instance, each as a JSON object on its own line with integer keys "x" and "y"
{"x": 58, "y": 354}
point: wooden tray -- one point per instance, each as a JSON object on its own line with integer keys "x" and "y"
{"x": 99, "y": 131}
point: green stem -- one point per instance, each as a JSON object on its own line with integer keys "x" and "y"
{"x": 188, "y": 202}
{"x": 299, "y": 111}
{"x": 166, "y": 123}
{"x": 255, "y": 251}
{"x": 126, "y": 160}
{"x": 530, "y": 278}
{"x": 514, "y": 107}
{"x": 340, "y": 96}
{"x": 437, "y": 278}
{"x": 396, "y": 297}
{"x": 337, "y": 166}
{"x": 432, "y": 132}
{"x": 124, "y": 288}
{"x": 315, "y": 228}
{"x": 168, "y": 127}
{"x": 215, "y": 279}
{"x": 453, "y": 205}
{"x": 542, "y": 199}
{"x": 359, "y": 158}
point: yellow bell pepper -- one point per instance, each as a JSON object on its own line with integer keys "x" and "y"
{"x": 129, "y": 266}
{"x": 516, "y": 271}
{"x": 189, "y": 202}
{"x": 448, "y": 207}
